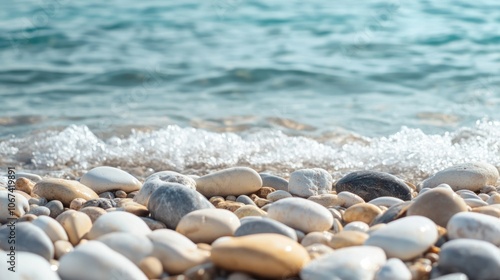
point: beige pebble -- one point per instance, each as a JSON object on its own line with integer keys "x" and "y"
{"x": 317, "y": 237}
{"x": 62, "y": 247}
{"x": 261, "y": 202}
{"x": 488, "y": 189}
{"x": 25, "y": 185}
{"x": 492, "y": 210}
{"x": 27, "y": 218}
{"x": 93, "y": 212}
{"x": 327, "y": 199}
{"x": 335, "y": 213}
{"x": 63, "y": 190}
{"x": 204, "y": 246}
{"x": 364, "y": 212}
{"x": 77, "y": 203}
{"x": 347, "y": 239}
{"x": 230, "y": 205}
{"x": 151, "y": 267}
{"x": 232, "y": 181}
{"x": 264, "y": 192}
{"x": 337, "y": 226}
{"x": 216, "y": 200}
{"x": 348, "y": 199}
{"x": 118, "y": 221}
{"x": 483, "y": 196}
{"x": 317, "y": 250}
{"x": 493, "y": 199}
{"x": 277, "y": 195}
{"x": 120, "y": 194}
{"x": 76, "y": 224}
{"x": 375, "y": 227}
{"x": 205, "y": 271}
{"x": 249, "y": 210}
{"x": 206, "y": 225}
{"x": 51, "y": 227}
{"x": 231, "y": 198}
{"x": 357, "y": 226}
{"x": 25, "y": 195}
{"x": 134, "y": 208}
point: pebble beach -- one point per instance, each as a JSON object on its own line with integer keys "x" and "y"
{"x": 236, "y": 223}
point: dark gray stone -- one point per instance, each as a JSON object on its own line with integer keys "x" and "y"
{"x": 393, "y": 213}
{"x": 28, "y": 238}
{"x": 479, "y": 260}
{"x": 245, "y": 199}
{"x": 265, "y": 225}
{"x": 275, "y": 182}
{"x": 107, "y": 195}
{"x": 172, "y": 201}
{"x": 56, "y": 208}
{"x": 372, "y": 184}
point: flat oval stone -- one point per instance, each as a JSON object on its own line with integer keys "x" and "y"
{"x": 405, "y": 238}
{"x": 438, "y": 204}
{"x": 63, "y": 190}
{"x": 309, "y": 182}
{"x": 278, "y": 194}
{"x": 474, "y": 226}
{"x": 387, "y": 201}
{"x": 249, "y": 210}
{"x": 231, "y": 181}
{"x": 62, "y": 247}
{"x": 176, "y": 252}
{"x": 29, "y": 238}
{"x": 51, "y": 227}
{"x": 39, "y": 211}
{"x": 326, "y": 199}
{"x": 363, "y": 212}
{"x": 471, "y": 176}
{"x": 206, "y": 225}
{"x": 257, "y": 226}
{"x": 265, "y": 255}
{"x": 105, "y": 178}
{"x": 393, "y": 213}
{"x": 274, "y": 182}
{"x": 245, "y": 200}
{"x": 163, "y": 178}
{"x": 94, "y": 260}
{"x": 21, "y": 206}
{"x": 301, "y": 214}
{"x": 348, "y": 199}
{"x": 477, "y": 259}
{"x": 34, "y": 268}
{"x": 168, "y": 204}
{"x": 347, "y": 239}
{"x": 316, "y": 237}
{"x": 491, "y": 210}
{"x": 475, "y": 202}
{"x": 393, "y": 269}
{"x": 358, "y": 262}
{"x": 76, "y": 224}
{"x": 118, "y": 222}
{"x": 134, "y": 247}
{"x": 93, "y": 212}
{"x": 372, "y": 184}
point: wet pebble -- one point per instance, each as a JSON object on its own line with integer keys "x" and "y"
{"x": 63, "y": 190}
{"x": 105, "y": 178}
{"x": 159, "y": 179}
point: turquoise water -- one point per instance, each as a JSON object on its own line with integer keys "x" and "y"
{"x": 335, "y": 72}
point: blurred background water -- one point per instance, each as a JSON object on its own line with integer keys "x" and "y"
{"x": 85, "y": 83}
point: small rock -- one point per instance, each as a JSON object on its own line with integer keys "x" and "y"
{"x": 134, "y": 208}
{"x": 474, "y": 226}
{"x": 357, "y": 226}
{"x": 492, "y": 210}
{"x": 317, "y": 237}
{"x": 93, "y": 212}
{"x": 261, "y": 202}
{"x": 151, "y": 267}
{"x": 105, "y": 178}
{"x": 63, "y": 190}
{"x": 493, "y": 199}
{"x": 249, "y": 210}
{"x": 326, "y": 200}
{"x": 277, "y": 195}
{"x": 206, "y": 225}
{"x": 393, "y": 269}
{"x": 387, "y": 201}
{"x": 347, "y": 239}
{"x": 372, "y": 184}
{"x": 76, "y": 224}
{"x": 363, "y": 212}
{"x": 28, "y": 238}
{"x": 25, "y": 185}
{"x": 56, "y": 208}
{"x": 51, "y": 227}
{"x": 245, "y": 200}
{"x": 162, "y": 179}
{"x": 134, "y": 247}
{"x": 77, "y": 203}
{"x": 475, "y": 202}
{"x": 230, "y": 205}
{"x": 264, "y": 192}
{"x": 309, "y": 182}
{"x": 103, "y": 203}
{"x": 274, "y": 182}
{"x": 257, "y": 226}
{"x": 40, "y": 211}
{"x": 107, "y": 195}
{"x": 120, "y": 194}
{"x": 230, "y": 198}
{"x": 317, "y": 250}
{"x": 348, "y": 199}
{"x": 393, "y": 213}
{"x": 118, "y": 222}
{"x": 153, "y": 224}
{"x": 62, "y": 247}
{"x": 231, "y": 181}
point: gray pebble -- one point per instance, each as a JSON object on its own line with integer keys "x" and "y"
{"x": 39, "y": 211}
{"x": 29, "y": 238}
{"x": 56, "y": 208}
{"x": 372, "y": 184}
{"x": 265, "y": 226}
{"x": 275, "y": 182}
{"x": 245, "y": 199}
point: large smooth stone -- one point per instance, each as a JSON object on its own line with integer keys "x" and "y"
{"x": 28, "y": 267}
{"x": 232, "y": 181}
{"x": 479, "y": 260}
{"x": 301, "y": 214}
{"x": 363, "y": 212}
{"x": 168, "y": 204}
{"x": 28, "y": 238}
{"x": 133, "y": 246}
{"x": 347, "y": 238}
{"x": 63, "y": 190}
{"x": 51, "y": 227}
{"x": 118, "y": 222}
{"x": 105, "y": 178}
{"x": 94, "y": 260}
{"x": 474, "y": 226}
{"x": 358, "y": 262}
{"x": 386, "y": 201}
{"x": 257, "y": 226}
{"x": 393, "y": 269}
{"x": 372, "y": 184}
{"x": 471, "y": 176}
{"x": 21, "y": 206}
{"x": 206, "y": 225}
{"x": 264, "y": 255}
{"x": 274, "y": 182}
{"x": 405, "y": 238}
{"x": 76, "y": 224}
{"x": 163, "y": 178}
{"x": 438, "y": 204}
{"x": 309, "y": 182}
{"x": 176, "y": 252}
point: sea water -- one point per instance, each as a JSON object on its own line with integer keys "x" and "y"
{"x": 193, "y": 86}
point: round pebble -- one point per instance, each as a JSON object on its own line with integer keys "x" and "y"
{"x": 309, "y": 182}
{"x": 232, "y": 181}
{"x": 347, "y": 239}
{"x": 105, "y": 178}
{"x": 28, "y": 267}
{"x": 249, "y": 210}
{"x": 151, "y": 267}
{"x": 28, "y": 238}
{"x": 474, "y": 226}
{"x": 134, "y": 247}
{"x": 51, "y": 227}
{"x": 76, "y": 224}
{"x": 257, "y": 226}
{"x": 20, "y": 208}
{"x": 118, "y": 222}
{"x": 274, "y": 182}
{"x": 62, "y": 247}
{"x": 363, "y": 212}
{"x": 163, "y": 178}
{"x": 277, "y": 195}
{"x": 245, "y": 199}
{"x": 56, "y": 208}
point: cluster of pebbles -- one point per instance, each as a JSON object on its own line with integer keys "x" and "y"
{"x": 238, "y": 224}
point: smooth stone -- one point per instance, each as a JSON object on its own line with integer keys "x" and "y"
{"x": 232, "y": 181}
{"x": 265, "y": 255}
{"x": 357, "y": 226}
{"x": 63, "y": 190}
{"x": 28, "y": 238}
{"x": 21, "y": 206}
{"x": 176, "y": 252}
{"x": 27, "y": 196}
{"x": 439, "y": 205}
{"x": 205, "y": 271}
{"x": 387, "y": 201}
{"x": 317, "y": 250}
{"x": 274, "y": 182}
{"x": 250, "y": 210}
{"x": 363, "y": 212}
{"x": 93, "y": 212}
{"x": 245, "y": 199}
{"x": 77, "y": 203}
{"x": 230, "y": 205}
{"x": 40, "y": 211}
{"x": 105, "y": 178}
{"x": 27, "y": 218}
{"x": 28, "y": 267}
{"x": 231, "y": 198}
{"x": 335, "y": 213}
{"x": 121, "y": 194}
{"x": 151, "y": 267}
{"x": 264, "y": 192}
{"x": 393, "y": 213}
{"x": 405, "y": 238}
{"x": 474, "y": 226}
{"x": 471, "y": 176}
{"x": 257, "y": 226}
{"x": 261, "y": 202}
{"x": 277, "y": 195}
{"x": 51, "y": 227}
{"x": 134, "y": 247}
{"x": 159, "y": 179}
{"x": 347, "y": 239}
{"x": 453, "y": 276}
{"x": 372, "y": 184}
{"x": 25, "y": 185}
{"x": 40, "y": 201}
{"x": 76, "y": 224}
{"x": 134, "y": 208}
{"x": 326, "y": 200}
{"x": 492, "y": 210}
{"x": 393, "y": 269}
{"x": 317, "y": 237}
{"x": 309, "y": 182}
{"x": 62, "y": 247}
{"x": 153, "y": 224}
{"x": 56, "y": 208}
{"x": 206, "y": 225}
{"x": 358, "y": 262}
{"x": 348, "y": 199}
{"x": 301, "y": 214}
{"x": 94, "y": 260}
{"x": 493, "y": 199}
{"x": 479, "y": 260}
{"x": 104, "y": 203}
{"x": 108, "y": 195}
{"x": 169, "y": 204}
{"x": 118, "y": 222}
{"x": 475, "y": 202}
